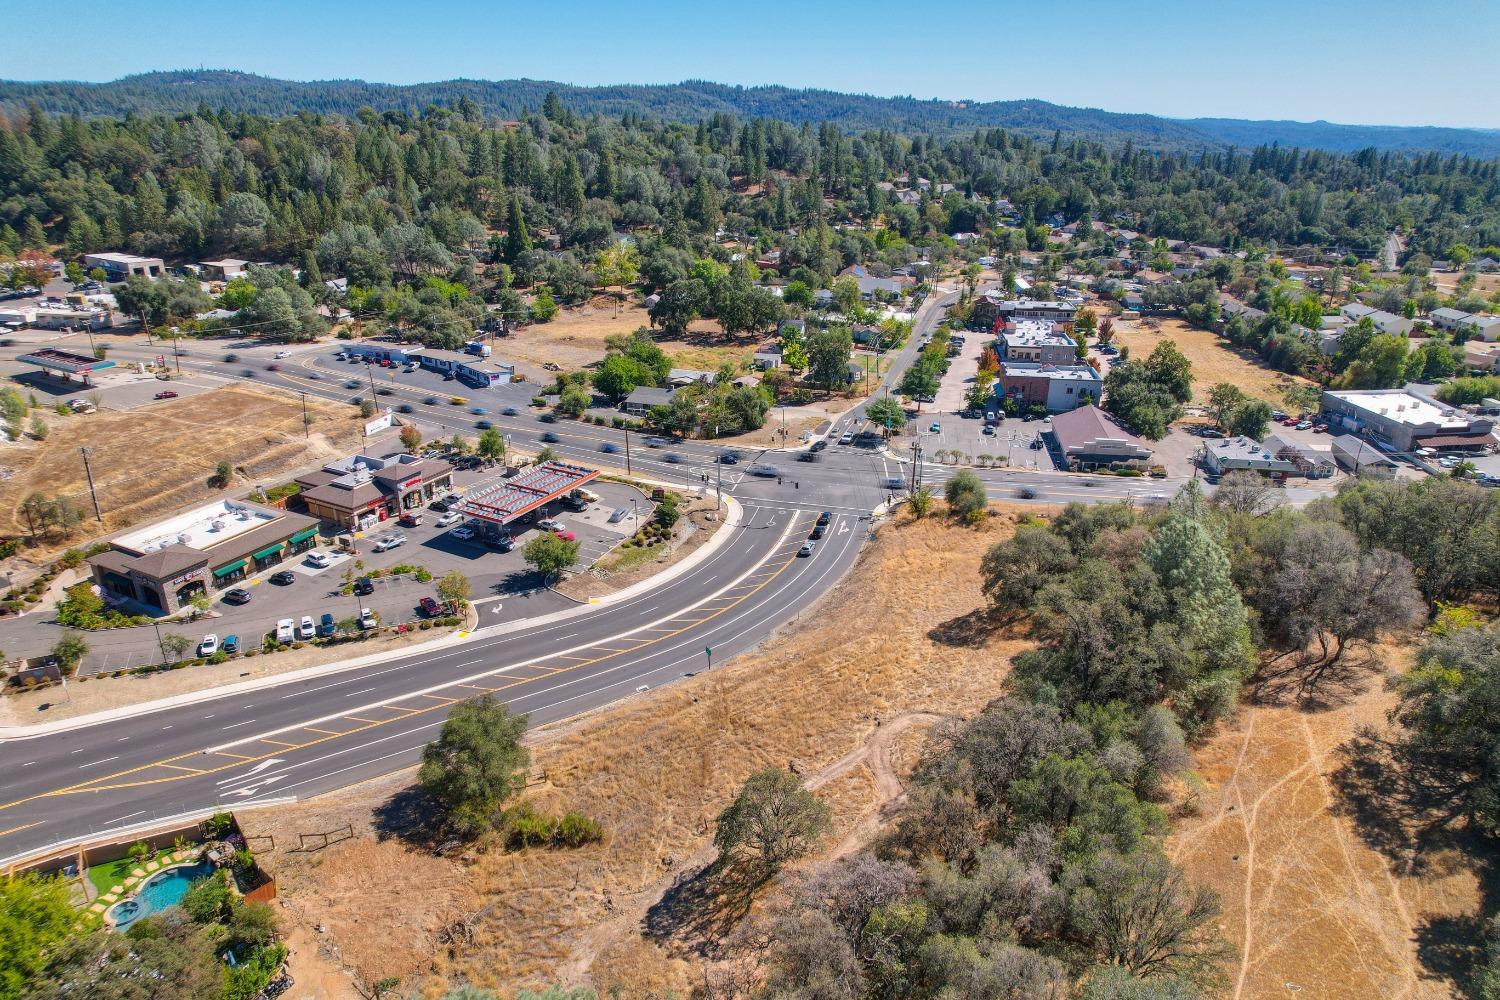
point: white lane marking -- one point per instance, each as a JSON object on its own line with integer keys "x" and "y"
{"x": 239, "y": 724}
{"x": 351, "y": 694}
{"x": 122, "y": 739}
{"x": 460, "y": 681}
{"x": 79, "y": 750}
{"x": 165, "y": 728}
{"x": 257, "y": 769}
{"x": 570, "y": 635}
{"x": 104, "y": 761}
{"x": 121, "y": 819}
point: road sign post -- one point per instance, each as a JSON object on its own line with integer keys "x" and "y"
{"x": 708, "y": 651}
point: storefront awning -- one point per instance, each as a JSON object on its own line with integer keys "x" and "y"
{"x": 232, "y": 567}
{"x": 270, "y": 550}
{"x": 304, "y": 535}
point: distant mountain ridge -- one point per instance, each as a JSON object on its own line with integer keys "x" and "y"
{"x": 175, "y": 92}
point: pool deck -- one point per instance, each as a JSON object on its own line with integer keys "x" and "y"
{"x": 138, "y": 875}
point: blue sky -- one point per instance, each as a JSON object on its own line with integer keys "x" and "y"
{"x": 1367, "y": 62}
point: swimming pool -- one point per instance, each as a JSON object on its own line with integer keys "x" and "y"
{"x": 162, "y": 890}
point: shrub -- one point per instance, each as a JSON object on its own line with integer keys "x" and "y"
{"x": 575, "y": 829}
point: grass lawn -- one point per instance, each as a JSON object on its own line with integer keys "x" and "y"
{"x": 112, "y": 873}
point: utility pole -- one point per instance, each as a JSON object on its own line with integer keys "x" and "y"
{"x": 176, "y": 354}
{"x": 719, "y": 481}
{"x": 306, "y": 424}
{"x": 627, "y": 451}
{"x": 159, "y": 644}
{"x": 89, "y": 474}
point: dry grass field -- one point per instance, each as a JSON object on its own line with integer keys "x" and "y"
{"x": 892, "y": 644}
{"x": 1310, "y": 905}
{"x": 1214, "y": 359}
{"x": 156, "y": 458}
{"x": 576, "y": 336}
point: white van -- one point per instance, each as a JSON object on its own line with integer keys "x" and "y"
{"x": 284, "y": 630}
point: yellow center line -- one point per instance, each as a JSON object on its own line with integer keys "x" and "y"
{"x": 96, "y": 786}
{"x": 434, "y": 697}
{"x": 179, "y": 767}
{"x": 23, "y": 826}
{"x": 279, "y": 743}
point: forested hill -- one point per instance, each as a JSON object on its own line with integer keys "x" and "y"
{"x": 176, "y": 92}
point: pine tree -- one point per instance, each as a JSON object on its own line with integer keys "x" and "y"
{"x": 517, "y": 239}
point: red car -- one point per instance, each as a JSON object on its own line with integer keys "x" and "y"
{"x": 273, "y": 368}
{"x": 166, "y": 394}
{"x": 1289, "y": 422}
{"x": 565, "y": 535}
{"x": 429, "y": 607}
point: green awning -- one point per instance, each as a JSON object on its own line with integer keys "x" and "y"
{"x": 232, "y": 567}
{"x": 304, "y": 535}
{"x": 268, "y": 551}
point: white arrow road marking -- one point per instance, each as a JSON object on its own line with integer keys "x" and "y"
{"x": 250, "y": 790}
{"x": 263, "y": 765}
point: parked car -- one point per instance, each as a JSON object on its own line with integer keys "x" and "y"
{"x": 807, "y": 548}
{"x": 209, "y": 646}
{"x": 283, "y": 578}
{"x": 989, "y": 430}
{"x": 327, "y": 626}
{"x": 618, "y": 514}
{"x": 364, "y": 585}
{"x": 239, "y": 595}
{"x": 1303, "y": 425}
{"x": 551, "y": 524}
{"x": 500, "y": 543}
{"x": 389, "y": 542}
{"x": 165, "y": 394}
{"x": 305, "y": 628}
{"x": 319, "y": 560}
{"x": 463, "y": 533}
{"x": 565, "y": 535}
{"x": 452, "y": 517}
{"x": 429, "y": 607}
{"x": 367, "y": 618}
{"x": 230, "y": 645}
{"x": 284, "y": 630}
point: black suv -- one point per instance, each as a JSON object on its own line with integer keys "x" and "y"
{"x": 364, "y": 586}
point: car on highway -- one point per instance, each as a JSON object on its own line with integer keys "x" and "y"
{"x": 231, "y": 358}
{"x": 284, "y": 630}
{"x": 655, "y": 441}
{"x": 429, "y": 607}
{"x": 672, "y": 458}
{"x": 385, "y": 391}
{"x": 326, "y": 625}
{"x": 819, "y": 444}
{"x": 247, "y": 372}
{"x": 817, "y": 532}
{"x": 282, "y": 354}
{"x": 807, "y": 548}
{"x": 764, "y": 471}
{"x": 892, "y": 482}
{"x": 729, "y": 458}
{"x": 483, "y": 425}
{"x": 390, "y": 541}
{"x": 478, "y": 411}
{"x": 319, "y": 560}
{"x": 367, "y": 619}
{"x": 430, "y": 401}
{"x": 405, "y": 408}
{"x": 846, "y": 438}
{"x": 351, "y": 383}
{"x": 549, "y": 438}
{"x": 807, "y": 456}
{"x": 230, "y": 645}
{"x": 284, "y": 578}
{"x": 165, "y": 394}
{"x": 239, "y": 595}
{"x": 548, "y": 418}
{"x": 825, "y": 519}
{"x": 305, "y": 629}
{"x": 463, "y": 533}
{"x": 609, "y": 447}
{"x": 451, "y": 517}
{"x": 209, "y": 645}
{"x": 363, "y": 586}
{"x": 273, "y": 367}
{"x": 315, "y": 376}
{"x": 509, "y": 411}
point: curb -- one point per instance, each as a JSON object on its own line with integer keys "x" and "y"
{"x": 12, "y": 733}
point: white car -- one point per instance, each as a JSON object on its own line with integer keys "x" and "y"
{"x": 551, "y": 524}
{"x": 452, "y": 517}
{"x": 283, "y": 354}
{"x": 284, "y": 630}
{"x": 390, "y": 542}
{"x": 367, "y": 618}
{"x": 305, "y": 629}
{"x": 209, "y": 646}
{"x": 319, "y": 560}
{"x": 463, "y": 533}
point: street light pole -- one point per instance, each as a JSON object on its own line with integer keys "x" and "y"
{"x": 627, "y": 451}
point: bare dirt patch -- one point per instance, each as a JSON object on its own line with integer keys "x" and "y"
{"x": 1214, "y": 359}
{"x": 575, "y": 338}
{"x": 1310, "y": 904}
{"x": 658, "y": 770}
{"x": 154, "y": 459}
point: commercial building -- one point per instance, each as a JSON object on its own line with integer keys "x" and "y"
{"x": 1089, "y": 438}
{"x": 1244, "y": 454}
{"x": 119, "y": 266}
{"x": 522, "y": 494}
{"x": 56, "y": 315}
{"x": 1360, "y": 459}
{"x": 362, "y": 490}
{"x": 224, "y": 270}
{"x": 198, "y": 552}
{"x": 1037, "y": 340}
{"x": 1405, "y": 420}
{"x": 1309, "y": 462}
{"x": 65, "y": 364}
{"x": 376, "y": 351}
{"x": 1059, "y": 388}
{"x": 467, "y": 368}
{"x": 992, "y": 308}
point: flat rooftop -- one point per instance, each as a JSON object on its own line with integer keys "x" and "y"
{"x": 201, "y": 528}
{"x": 525, "y": 492}
{"x": 1403, "y": 407}
{"x": 64, "y": 361}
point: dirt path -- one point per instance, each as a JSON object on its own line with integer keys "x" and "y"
{"x": 874, "y": 753}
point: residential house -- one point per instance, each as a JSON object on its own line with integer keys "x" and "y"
{"x": 1447, "y": 318}
{"x": 679, "y": 377}
{"x": 640, "y": 401}
{"x": 1482, "y": 356}
{"x": 767, "y": 356}
{"x": 1089, "y": 438}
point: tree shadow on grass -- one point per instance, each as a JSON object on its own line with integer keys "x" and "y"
{"x": 972, "y": 630}
{"x": 698, "y": 912}
{"x": 411, "y": 817}
{"x": 1313, "y": 683}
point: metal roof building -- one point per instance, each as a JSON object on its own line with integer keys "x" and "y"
{"x": 525, "y": 492}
